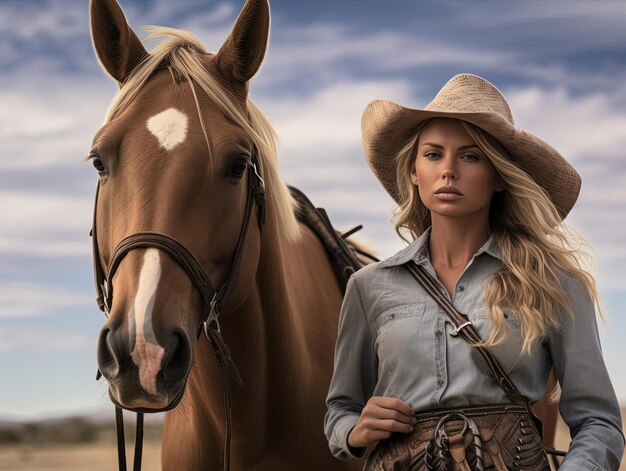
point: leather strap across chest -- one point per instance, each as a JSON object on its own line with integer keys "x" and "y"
{"x": 463, "y": 325}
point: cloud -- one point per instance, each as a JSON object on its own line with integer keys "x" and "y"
{"x": 310, "y": 124}
{"x": 38, "y": 340}
{"x": 326, "y": 51}
{"x": 588, "y": 129}
{"x": 32, "y": 21}
{"x": 210, "y": 23}
{"x": 602, "y": 228}
{"x": 584, "y": 127}
{"x": 35, "y": 21}
{"x": 494, "y": 39}
{"x": 164, "y": 12}
{"x": 604, "y": 16}
{"x": 19, "y": 300}
{"x": 51, "y": 124}
{"x": 45, "y": 225}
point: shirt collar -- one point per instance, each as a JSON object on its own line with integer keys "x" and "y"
{"x": 418, "y": 251}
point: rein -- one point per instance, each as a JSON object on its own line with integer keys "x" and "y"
{"x": 213, "y": 299}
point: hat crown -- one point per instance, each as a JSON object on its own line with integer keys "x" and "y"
{"x": 469, "y": 93}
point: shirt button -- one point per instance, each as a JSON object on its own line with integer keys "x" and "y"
{"x": 461, "y": 288}
{"x": 439, "y": 333}
{"x": 440, "y": 382}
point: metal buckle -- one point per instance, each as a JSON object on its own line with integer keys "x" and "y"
{"x": 440, "y": 429}
{"x": 442, "y": 440}
{"x": 456, "y": 331}
{"x": 212, "y": 318}
{"x": 258, "y": 176}
{"x": 105, "y": 297}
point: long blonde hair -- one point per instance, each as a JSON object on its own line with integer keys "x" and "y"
{"x": 535, "y": 245}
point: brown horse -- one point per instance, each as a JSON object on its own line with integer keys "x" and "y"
{"x": 173, "y": 158}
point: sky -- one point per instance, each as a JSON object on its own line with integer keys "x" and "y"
{"x": 561, "y": 66}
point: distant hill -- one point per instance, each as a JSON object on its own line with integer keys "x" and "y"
{"x": 97, "y": 416}
{"x": 72, "y": 430}
{"x": 6, "y": 423}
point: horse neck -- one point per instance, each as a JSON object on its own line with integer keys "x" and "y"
{"x": 271, "y": 323}
{"x": 282, "y": 341}
{"x": 281, "y": 338}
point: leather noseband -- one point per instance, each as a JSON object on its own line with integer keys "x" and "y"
{"x": 213, "y": 299}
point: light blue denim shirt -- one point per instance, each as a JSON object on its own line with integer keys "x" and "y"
{"x": 393, "y": 341}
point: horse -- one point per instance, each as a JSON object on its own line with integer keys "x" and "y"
{"x": 174, "y": 158}
{"x": 182, "y": 157}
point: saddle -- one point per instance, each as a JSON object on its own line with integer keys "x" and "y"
{"x": 342, "y": 253}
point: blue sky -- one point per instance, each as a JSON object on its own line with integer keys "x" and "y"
{"x": 561, "y": 65}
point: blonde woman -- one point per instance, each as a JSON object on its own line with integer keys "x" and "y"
{"x": 483, "y": 203}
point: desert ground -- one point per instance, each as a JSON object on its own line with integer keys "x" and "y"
{"x": 101, "y": 454}
{"x": 92, "y": 457}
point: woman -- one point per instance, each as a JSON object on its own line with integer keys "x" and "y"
{"x": 484, "y": 202}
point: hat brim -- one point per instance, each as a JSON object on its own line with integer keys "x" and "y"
{"x": 387, "y": 127}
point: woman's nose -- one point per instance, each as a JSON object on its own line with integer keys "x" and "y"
{"x": 449, "y": 172}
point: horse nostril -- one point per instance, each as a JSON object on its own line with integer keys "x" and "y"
{"x": 177, "y": 361}
{"x": 108, "y": 364}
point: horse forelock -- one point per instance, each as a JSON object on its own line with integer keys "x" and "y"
{"x": 185, "y": 56}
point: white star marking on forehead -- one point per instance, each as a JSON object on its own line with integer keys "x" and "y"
{"x": 169, "y": 127}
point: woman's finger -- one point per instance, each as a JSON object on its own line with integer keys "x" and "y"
{"x": 390, "y": 425}
{"x": 392, "y": 414}
{"x": 393, "y": 403}
{"x": 390, "y": 408}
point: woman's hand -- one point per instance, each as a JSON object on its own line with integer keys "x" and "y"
{"x": 379, "y": 418}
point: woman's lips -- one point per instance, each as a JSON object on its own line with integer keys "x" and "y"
{"x": 448, "y": 196}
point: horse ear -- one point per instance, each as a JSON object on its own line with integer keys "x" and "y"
{"x": 242, "y": 53}
{"x": 117, "y": 46}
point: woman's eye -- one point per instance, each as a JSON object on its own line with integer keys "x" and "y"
{"x": 471, "y": 157}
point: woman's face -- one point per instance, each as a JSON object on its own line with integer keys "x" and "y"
{"x": 447, "y": 156}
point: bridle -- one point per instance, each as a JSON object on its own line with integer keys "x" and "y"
{"x": 213, "y": 300}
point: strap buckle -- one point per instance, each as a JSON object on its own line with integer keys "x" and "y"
{"x": 261, "y": 181}
{"x": 104, "y": 298}
{"x": 212, "y": 318}
{"x": 456, "y": 331}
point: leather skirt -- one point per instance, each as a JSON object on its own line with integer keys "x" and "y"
{"x": 499, "y": 437}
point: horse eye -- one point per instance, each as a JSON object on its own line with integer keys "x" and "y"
{"x": 238, "y": 168}
{"x": 97, "y": 163}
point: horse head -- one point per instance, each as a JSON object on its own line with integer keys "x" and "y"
{"x": 179, "y": 150}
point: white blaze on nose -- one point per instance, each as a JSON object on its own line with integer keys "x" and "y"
{"x": 147, "y": 354}
{"x": 169, "y": 127}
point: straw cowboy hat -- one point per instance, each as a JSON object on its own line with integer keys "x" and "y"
{"x": 387, "y": 127}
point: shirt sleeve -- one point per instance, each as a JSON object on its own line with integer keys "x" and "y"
{"x": 354, "y": 377}
{"x": 588, "y": 403}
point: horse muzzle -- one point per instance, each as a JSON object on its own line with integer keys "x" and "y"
{"x": 147, "y": 375}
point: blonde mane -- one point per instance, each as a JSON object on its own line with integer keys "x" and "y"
{"x": 181, "y": 51}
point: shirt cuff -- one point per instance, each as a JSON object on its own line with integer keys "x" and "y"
{"x": 578, "y": 464}
{"x": 342, "y": 431}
